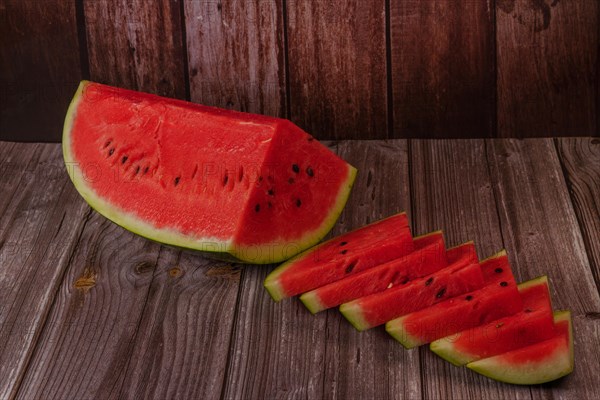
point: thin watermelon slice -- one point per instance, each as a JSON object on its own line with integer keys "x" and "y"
{"x": 341, "y": 257}
{"x": 499, "y": 298}
{"x": 534, "y": 324}
{"x": 462, "y": 275}
{"x": 538, "y": 363}
{"x": 254, "y": 187}
{"x": 429, "y": 256}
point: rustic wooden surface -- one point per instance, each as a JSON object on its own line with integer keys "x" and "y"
{"x": 342, "y": 69}
{"x": 433, "y": 43}
{"x": 89, "y": 310}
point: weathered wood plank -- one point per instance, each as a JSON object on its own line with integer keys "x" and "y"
{"x": 337, "y": 68}
{"x": 281, "y": 350}
{"x": 38, "y": 229}
{"x": 137, "y": 44}
{"x": 40, "y": 67}
{"x": 236, "y": 55}
{"x": 89, "y": 335}
{"x": 443, "y": 68}
{"x": 183, "y": 339}
{"x": 546, "y": 60}
{"x": 16, "y": 160}
{"x": 541, "y": 230}
{"x": 580, "y": 158}
{"x": 452, "y": 190}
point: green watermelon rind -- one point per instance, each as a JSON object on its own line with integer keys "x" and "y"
{"x": 444, "y": 347}
{"x": 530, "y": 374}
{"x": 272, "y": 283}
{"x": 212, "y": 247}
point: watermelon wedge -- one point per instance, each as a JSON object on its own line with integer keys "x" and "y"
{"x": 429, "y": 256}
{"x": 538, "y": 363}
{"x": 499, "y": 298}
{"x": 341, "y": 257}
{"x": 256, "y": 188}
{"x": 533, "y": 324}
{"x": 462, "y": 275}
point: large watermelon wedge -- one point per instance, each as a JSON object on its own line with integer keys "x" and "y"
{"x": 462, "y": 275}
{"x": 533, "y": 324}
{"x": 254, "y": 187}
{"x": 341, "y": 257}
{"x": 499, "y": 298}
{"x": 429, "y": 256}
{"x": 538, "y": 363}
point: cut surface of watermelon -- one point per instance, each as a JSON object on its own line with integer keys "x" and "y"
{"x": 255, "y": 187}
{"x": 499, "y": 298}
{"x": 341, "y": 257}
{"x": 429, "y": 256}
{"x": 538, "y": 363}
{"x": 463, "y": 274}
{"x": 533, "y": 324}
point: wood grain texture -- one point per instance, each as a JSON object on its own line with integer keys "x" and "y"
{"x": 337, "y": 68}
{"x": 443, "y": 68}
{"x": 547, "y": 58}
{"x": 236, "y": 54}
{"x": 137, "y": 44}
{"x": 39, "y": 67}
{"x": 580, "y": 158}
{"x": 89, "y": 335}
{"x": 452, "y": 190}
{"x": 323, "y": 356}
{"x": 182, "y": 343}
{"x": 39, "y": 225}
{"x": 541, "y": 230}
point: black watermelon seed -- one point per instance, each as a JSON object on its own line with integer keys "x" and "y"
{"x": 295, "y": 168}
{"x": 124, "y": 159}
{"x": 428, "y": 281}
{"x": 146, "y": 170}
{"x": 177, "y": 180}
{"x": 260, "y": 178}
{"x": 350, "y": 267}
{"x": 343, "y": 243}
{"x": 405, "y": 281}
{"x": 257, "y": 208}
{"x": 137, "y": 170}
{"x": 271, "y": 192}
{"x": 469, "y": 298}
{"x": 527, "y": 310}
{"x": 108, "y": 142}
{"x": 225, "y": 180}
{"x": 111, "y": 151}
{"x": 298, "y": 203}
{"x": 498, "y": 270}
{"x": 310, "y": 172}
{"x": 291, "y": 180}
{"x": 440, "y": 293}
{"x": 343, "y": 251}
{"x": 503, "y": 283}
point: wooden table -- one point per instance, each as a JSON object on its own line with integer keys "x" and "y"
{"x": 89, "y": 310}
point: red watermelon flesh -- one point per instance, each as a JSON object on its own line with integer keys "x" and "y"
{"x": 255, "y": 187}
{"x": 341, "y": 257}
{"x": 461, "y": 276}
{"x": 499, "y": 298}
{"x": 429, "y": 256}
{"x": 533, "y": 324}
{"x": 541, "y": 362}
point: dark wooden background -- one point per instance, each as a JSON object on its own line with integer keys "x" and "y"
{"x": 341, "y": 69}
